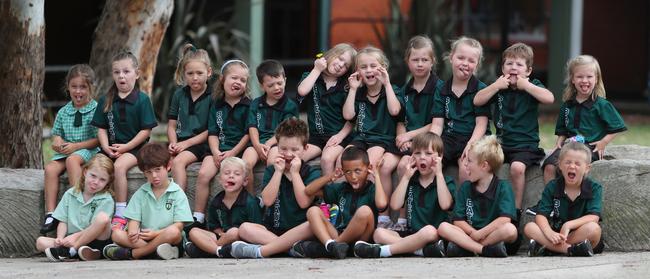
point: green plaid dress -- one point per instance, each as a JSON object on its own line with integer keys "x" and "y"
{"x": 64, "y": 127}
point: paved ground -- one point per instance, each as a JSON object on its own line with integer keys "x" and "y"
{"x": 609, "y": 265}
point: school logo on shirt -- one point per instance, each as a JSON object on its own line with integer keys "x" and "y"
{"x": 566, "y": 117}
{"x": 342, "y": 202}
{"x": 219, "y": 217}
{"x": 258, "y": 117}
{"x": 169, "y": 204}
{"x": 361, "y": 117}
{"x": 555, "y": 221}
{"x": 222, "y": 136}
{"x": 111, "y": 126}
{"x": 409, "y": 207}
{"x": 93, "y": 207}
{"x": 450, "y": 123}
{"x": 500, "y": 117}
{"x": 318, "y": 120}
{"x": 179, "y": 126}
{"x": 276, "y": 213}
{"x": 469, "y": 210}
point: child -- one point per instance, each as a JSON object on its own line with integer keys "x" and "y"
{"x": 570, "y": 208}
{"x": 322, "y": 93}
{"x": 455, "y": 118}
{"x": 156, "y": 212}
{"x": 283, "y": 196}
{"x": 84, "y": 213}
{"x": 226, "y": 128}
{"x": 484, "y": 206}
{"x": 585, "y": 114}
{"x": 417, "y": 98}
{"x": 427, "y": 196}
{"x": 125, "y": 118}
{"x": 266, "y": 112}
{"x": 515, "y": 100}
{"x": 228, "y": 209}
{"x": 358, "y": 200}
{"x": 187, "y": 129}
{"x": 375, "y": 108}
{"x": 73, "y": 138}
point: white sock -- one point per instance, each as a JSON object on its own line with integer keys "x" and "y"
{"x": 217, "y": 251}
{"x": 383, "y": 219}
{"x": 385, "y": 251}
{"x": 328, "y": 242}
{"x": 119, "y": 209}
{"x": 73, "y": 252}
{"x": 401, "y": 221}
{"x": 199, "y": 216}
{"x": 418, "y": 252}
{"x": 258, "y": 252}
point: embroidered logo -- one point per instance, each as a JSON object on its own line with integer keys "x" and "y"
{"x": 168, "y": 204}
{"x": 318, "y": 121}
{"x": 111, "y": 127}
{"x": 566, "y": 117}
{"x": 276, "y": 213}
{"x": 469, "y": 210}
{"x": 258, "y": 118}
{"x": 409, "y": 207}
{"x": 342, "y": 203}
{"x": 219, "y": 117}
{"x": 360, "y": 118}
{"x": 450, "y": 123}
{"x": 93, "y": 207}
{"x": 500, "y": 116}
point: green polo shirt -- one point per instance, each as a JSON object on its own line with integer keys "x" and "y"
{"x": 229, "y": 123}
{"x": 64, "y": 126}
{"x": 480, "y": 209}
{"x": 285, "y": 213}
{"x": 421, "y": 204}
{"x": 78, "y": 214}
{"x": 459, "y": 113}
{"x": 127, "y": 117}
{"x": 157, "y": 214}
{"x": 373, "y": 121}
{"x": 245, "y": 209}
{"x": 559, "y": 209}
{"x": 418, "y": 107}
{"x": 266, "y": 118}
{"x": 515, "y": 116}
{"x": 349, "y": 200}
{"x": 593, "y": 119}
{"x": 324, "y": 107}
{"x": 191, "y": 116}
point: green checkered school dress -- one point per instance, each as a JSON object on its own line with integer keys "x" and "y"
{"x": 65, "y": 128}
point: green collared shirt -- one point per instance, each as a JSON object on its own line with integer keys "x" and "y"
{"x": 480, "y": 209}
{"x": 191, "y": 116}
{"x": 373, "y": 121}
{"x": 349, "y": 200}
{"x": 459, "y": 113}
{"x": 156, "y": 214}
{"x": 229, "y": 123}
{"x": 324, "y": 107}
{"x": 559, "y": 209}
{"x": 418, "y": 107}
{"x": 126, "y": 118}
{"x": 266, "y": 118}
{"x": 593, "y": 119}
{"x": 422, "y": 205}
{"x": 78, "y": 214}
{"x": 245, "y": 209}
{"x": 64, "y": 126}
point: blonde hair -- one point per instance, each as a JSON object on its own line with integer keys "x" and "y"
{"x": 189, "y": 53}
{"x": 575, "y": 146}
{"x": 470, "y": 42}
{"x": 112, "y": 92}
{"x": 86, "y": 73}
{"x": 570, "y": 90}
{"x": 373, "y": 51}
{"x": 236, "y": 162}
{"x": 519, "y": 50}
{"x": 102, "y": 162}
{"x": 419, "y": 42}
{"x": 219, "y": 91}
{"x": 339, "y": 50}
{"x": 487, "y": 149}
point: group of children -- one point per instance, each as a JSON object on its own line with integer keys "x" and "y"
{"x": 363, "y": 128}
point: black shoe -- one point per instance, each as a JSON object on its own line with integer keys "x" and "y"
{"x": 195, "y": 224}
{"x": 58, "y": 254}
{"x": 49, "y": 226}
{"x": 581, "y": 249}
{"x": 454, "y": 250}
{"x": 224, "y": 251}
{"x": 308, "y": 249}
{"x": 338, "y": 250}
{"x": 192, "y": 251}
{"x": 497, "y": 250}
{"x": 364, "y": 249}
{"x": 532, "y": 211}
{"x": 435, "y": 250}
{"x": 535, "y": 249}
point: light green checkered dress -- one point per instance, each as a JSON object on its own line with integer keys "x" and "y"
{"x": 64, "y": 128}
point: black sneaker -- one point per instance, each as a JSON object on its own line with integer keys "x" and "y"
{"x": 49, "y": 224}
{"x": 308, "y": 249}
{"x": 532, "y": 211}
{"x": 435, "y": 250}
{"x": 454, "y": 250}
{"x": 581, "y": 249}
{"x": 224, "y": 251}
{"x": 58, "y": 254}
{"x": 338, "y": 250}
{"x": 535, "y": 249}
{"x": 195, "y": 224}
{"x": 364, "y": 249}
{"x": 497, "y": 250}
{"x": 192, "y": 251}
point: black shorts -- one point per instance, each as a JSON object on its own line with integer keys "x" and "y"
{"x": 133, "y": 151}
{"x": 390, "y": 148}
{"x": 199, "y": 150}
{"x": 526, "y": 156}
{"x": 405, "y": 233}
{"x": 555, "y": 156}
{"x": 454, "y": 145}
{"x": 321, "y": 140}
{"x": 99, "y": 244}
{"x": 276, "y": 231}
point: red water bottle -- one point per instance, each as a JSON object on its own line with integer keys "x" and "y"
{"x": 325, "y": 209}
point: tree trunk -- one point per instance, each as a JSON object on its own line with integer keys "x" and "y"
{"x": 22, "y": 56}
{"x": 138, "y": 26}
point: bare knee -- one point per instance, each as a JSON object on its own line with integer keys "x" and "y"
{"x": 314, "y": 212}
{"x": 530, "y": 229}
{"x": 510, "y": 230}
{"x": 53, "y": 169}
{"x": 102, "y": 219}
{"x": 172, "y": 234}
{"x": 517, "y": 169}
{"x": 444, "y": 228}
{"x": 429, "y": 232}
{"x": 364, "y": 212}
{"x": 592, "y": 228}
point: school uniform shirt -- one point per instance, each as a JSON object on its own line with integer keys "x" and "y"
{"x": 418, "y": 107}
{"x": 126, "y": 118}
{"x": 593, "y": 119}
{"x": 421, "y": 204}
{"x": 324, "y": 107}
{"x": 285, "y": 213}
{"x": 267, "y": 117}
{"x": 459, "y": 113}
{"x": 480, "y": 209}
{"x": 515, "y": 118}
{"x": 559, "y": 208}
{"x": 157, "y": 214}
{"x": 191, "y": 116}
{"x": 373, "y": 121}
{"x": 246, "y": 208}
{"x": 349, "y": 200}
{"x": 73, "y": 125}
{"x": 78, "y": 214}
{"x": 229, "y": 123}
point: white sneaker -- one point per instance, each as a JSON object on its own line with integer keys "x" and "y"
{"x": 167, "y": 252}
{"x": 89, "y": 254}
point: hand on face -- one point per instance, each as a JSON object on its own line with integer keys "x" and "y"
{"x": 354, "y": 80}
{"x": 320, "y": 64}
{"x": 383, "y": 76}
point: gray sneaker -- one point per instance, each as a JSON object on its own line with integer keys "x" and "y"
{"x": 167, "y": 252}
{"x": 243, "y": 250}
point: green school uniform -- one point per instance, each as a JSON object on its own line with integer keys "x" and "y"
{"x": 349, "y": 201}
{"x": 373, "y": 121}
{"x": 593, "y": 119}
{"x": 266, "y": 118}
{"x": 418, "y": 107}
{"x": 459, "y": 113}
{"x": 245, "y": 209}
{"x": 191, "y": 116}
{"x": 156, "y": 214}
{"x": 559, "y": 209}
{"x": 421, "y": 204}
{"x": 78, "y": 214}
{"x": 324, "y": 107}
{"x": 229, "y": 123}
{"x": 126, "y": 118}
{"x": 480, "y": 209}
{"x": 285, "y": 213}
{"x": 70, "y": 130}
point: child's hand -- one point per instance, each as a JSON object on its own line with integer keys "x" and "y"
{"x": 401, "y": 139}
{"x": 320, "y": 64}
{"x": 119, "y": 148}
{"x": 556, "y": 238}
{"x": 148, "y": 235}
{"x": 522, "y": 82}
{"x": 383, "y": 76}
{"x": 405, "y": 146}
{"x": 109, "y": 151}
{"x": 68, "y": 148}
{"x": 334, "y": 140}
{"x": 180, "y": 146}
{"x": 600, "y": 148}
{"x": 133, "y": 236}
{"x": 171, "y": 148}
{"x": 502, "y": 82}
{"x": 477, "y": 235}
{"x": 295, "y": 165}
{"x": 338, "y": 173}
{"x": 437, "y": 165}
{"x": 411, "y": 167}
{"x": 374, "y": 170}
{"x": 279, "y": 164}
{"x": 56, "y": 144}
{"x": 463, "y": 157}
{"x": 216, "y": 159}
{"x": 262, "y": 151}
{"x": 354, "y": 80}
{"x": 58, "y": 241}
